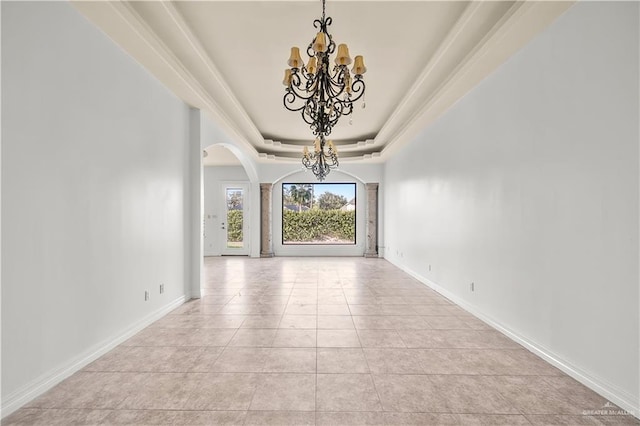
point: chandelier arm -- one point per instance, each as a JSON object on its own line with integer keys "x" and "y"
{"x": 308, "y": 119}
{"x": 357, "y": 88}
{"x": 289, "y": 99}
{"x": 296, "y": 82}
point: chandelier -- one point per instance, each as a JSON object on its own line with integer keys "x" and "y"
{"x": 323, "y": 93}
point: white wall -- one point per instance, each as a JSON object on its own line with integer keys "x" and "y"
{"x": 528, "y": 187}
{"x": 95, "y": 191}
{"x": 214, "y": 178}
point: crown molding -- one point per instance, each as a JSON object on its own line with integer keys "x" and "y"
{"x": 514, "y": 29}
{"x": 398, "y": 117}
{"x": 247, "y": 124}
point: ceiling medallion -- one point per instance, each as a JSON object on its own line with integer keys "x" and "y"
{"x": 322, "y": 93}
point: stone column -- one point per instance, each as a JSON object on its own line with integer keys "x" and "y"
{"x": 266, "y": 244}
{"x": 372, "y": 220}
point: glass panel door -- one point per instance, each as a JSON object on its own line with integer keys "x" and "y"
{"x": 234, "y": 223}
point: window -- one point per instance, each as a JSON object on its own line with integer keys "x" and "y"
{"x": 319, "y": 213}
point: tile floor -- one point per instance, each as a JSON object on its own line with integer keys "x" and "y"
{"x": 305, "y": 341}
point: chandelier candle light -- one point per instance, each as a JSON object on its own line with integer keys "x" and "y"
{"x": 323, "y": 93}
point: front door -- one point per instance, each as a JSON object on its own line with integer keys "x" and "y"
{"x": 234, "y": 223}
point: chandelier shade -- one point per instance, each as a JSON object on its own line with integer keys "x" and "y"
{"x": 323, "y": 93}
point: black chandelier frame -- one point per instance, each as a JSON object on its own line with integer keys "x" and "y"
{"x": 323, "y": 97}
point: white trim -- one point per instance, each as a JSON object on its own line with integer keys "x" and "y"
{"x": 608, "y": 390}
{"x": 48, "y": 380}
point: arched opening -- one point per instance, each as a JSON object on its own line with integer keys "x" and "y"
{"x": 228, "y": 201}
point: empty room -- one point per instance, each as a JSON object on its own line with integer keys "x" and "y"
{"x": 320, "y": 212}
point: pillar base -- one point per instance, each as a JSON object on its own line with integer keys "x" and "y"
{"x": 371, "y": 255}
{"x": 267, "y": 255}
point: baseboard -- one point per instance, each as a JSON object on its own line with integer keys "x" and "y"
{"x": 48, "y": 380}
{"x": 615, "y": 395}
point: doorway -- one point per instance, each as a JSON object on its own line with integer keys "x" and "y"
{"x": 235, "y": 219}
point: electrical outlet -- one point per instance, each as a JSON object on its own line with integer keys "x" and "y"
{"x": 473, "y": 287}
{"x": 161, "y": 288}
{"x": 146, "y": 295}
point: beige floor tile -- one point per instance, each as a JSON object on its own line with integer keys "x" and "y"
{"x": 240, "y": 360}
{"x": 456, "y": 339}
{"x": 288, "y": 338}
{"x": 298, "y": 322}
{"x": 341, "y": 309}
{"x": 295, "y": 392}
{"x": 56, "y": 417}
{"x": 261, "y": 321}
{"x": 527, "y": 363}
{"x": 208, "y": 337}
{"x": 141, "y": 417}
{"x": 335, "y": 322}
{"x": 579, "y": 394}
{"x": 223, "y": 391}
{"x": 92, "y": 391}
{"x": 346, "y": 392}
{"x": 421, "y": 419}
{"x": 362, "y": 310}
{"x": 246, "y": 352}
{"x": 208, "y": 418}
{"x": 390, "y": 300}
{"x": 161, "y": 391}
{"x": 408, "y": 322}
{"x": 341, "y": 360}
{"x": 446, "y": 322}
{"x": 400, "y": 310}
{"x": 338, "y": 339}
{"x": 253, "y": 337}
{"x": 472, "y": 394}
{"x": 380, "y": 339}
{"x": 301, "y": 309}
{"x": 618, "y": 420}
{"x": 373, "y": 322}
{"x": 171, "y": 359}
{"x": 533, "y": 395}
{"x": 409, "y": 393}
{"x": 222, "y": 321}
{"x": 290, "y": 360}
{"x": 493, "y": 419}
{"x": 558, "y": 420}
{"x": 280, "y": 418}
{"x": 363, "y": 418}
{"x": 115, "y": 360}
{"x": 476, "y": 323}
{"x": 394, "y": 361}
{"x": 437, "y": 310}
{"x": 469, "y": 361}
{"x": 207, "y": 359}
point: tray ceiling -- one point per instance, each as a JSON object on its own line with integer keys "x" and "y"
{"x": 228, "y": 58}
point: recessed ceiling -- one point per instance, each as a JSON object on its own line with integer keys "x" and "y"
{"x": 228, "y": 58}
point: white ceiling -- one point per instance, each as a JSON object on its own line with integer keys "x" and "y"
{"x": 228, "y": 58}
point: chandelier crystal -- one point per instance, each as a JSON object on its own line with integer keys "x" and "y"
{"x": 323, "y": 93}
